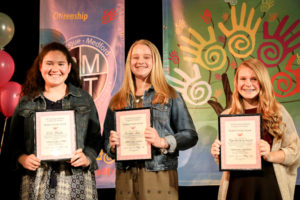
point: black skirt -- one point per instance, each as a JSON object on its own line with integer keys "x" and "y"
{"x": 254, "y": 185}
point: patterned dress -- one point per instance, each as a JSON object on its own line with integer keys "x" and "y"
{"x": 55, "y": 180}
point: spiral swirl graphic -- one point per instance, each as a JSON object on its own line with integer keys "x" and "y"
{"x": 198, "y": 93}
{"x": 269, "y": 53}
{"x": 106, "y": 159}
{"x": 105, "y": 19}
{"x": 214, "y": 58}
{"x": 240, "y": 46}
{"x": 283, "y": 83}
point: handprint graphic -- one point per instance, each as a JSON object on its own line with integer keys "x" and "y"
{"x": 179, "y": 26}
{"x": 193, "y": 89}
{"x": 273, "y": 17}
{"x": 241, "y": 41}
{"x": 207, "y": 54}
{"x": 266, "y": 5}
{"x": 174, "y": 57}
{"x": 286, "y": 80}
{"x": 206, "y": 16}
{"x": 108, "y": 16}
{"x": 270, "y": 52}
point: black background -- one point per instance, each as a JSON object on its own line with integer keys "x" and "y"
{"x": 143, "y": 19}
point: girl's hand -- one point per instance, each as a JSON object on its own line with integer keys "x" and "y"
{"x": 265, "y": 150}
{"x": 215, "y": 149}
{"x": 113, "y": 141}
{"x": 79, "y": 159}
{"x": 30, "y": 162}
{"x": 153, "y": 138}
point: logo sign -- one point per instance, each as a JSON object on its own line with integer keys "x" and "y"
{"x": 96, "y": 63}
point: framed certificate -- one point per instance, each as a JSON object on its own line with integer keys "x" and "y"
{"x": 55, "y": 135}
{"x": 240, "y": 136}
{"x": 131, "y": 125}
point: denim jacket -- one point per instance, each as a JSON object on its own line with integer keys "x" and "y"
{"x": 88, "y": 136}
{"x": 172, "y": 121}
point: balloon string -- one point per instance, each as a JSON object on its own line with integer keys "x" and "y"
{"x": 2, "y": 138}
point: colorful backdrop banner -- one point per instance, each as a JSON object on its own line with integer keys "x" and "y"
{"x": 93, "y": 30}
{"x": 204, "y": 42}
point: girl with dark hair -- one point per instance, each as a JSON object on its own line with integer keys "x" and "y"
{"x": 53, "y": 83}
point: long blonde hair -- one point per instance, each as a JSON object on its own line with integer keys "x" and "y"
{"x": 267, "y": 103}
{"x": 163, "y": 91}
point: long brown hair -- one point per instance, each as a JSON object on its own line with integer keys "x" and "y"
{"x": 267, "y": 103}
{"x": 163, "y": 91}
{"x": 35, "y": 84}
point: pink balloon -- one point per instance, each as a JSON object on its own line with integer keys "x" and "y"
{"x": 10, "y": 95}
{"x": 0, "y": 102}
{"x": 7, "y": 67}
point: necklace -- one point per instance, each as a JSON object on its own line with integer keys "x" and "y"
{"x": 138, "y": 99}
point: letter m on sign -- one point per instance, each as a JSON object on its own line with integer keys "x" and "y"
{"x": 87, "y": 69}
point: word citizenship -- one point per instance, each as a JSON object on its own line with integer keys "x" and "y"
{"x": 70, "y": 16}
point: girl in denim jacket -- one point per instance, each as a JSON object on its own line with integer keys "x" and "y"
{"x": 53, "y": 84}
{"x": 144, "y": 85}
